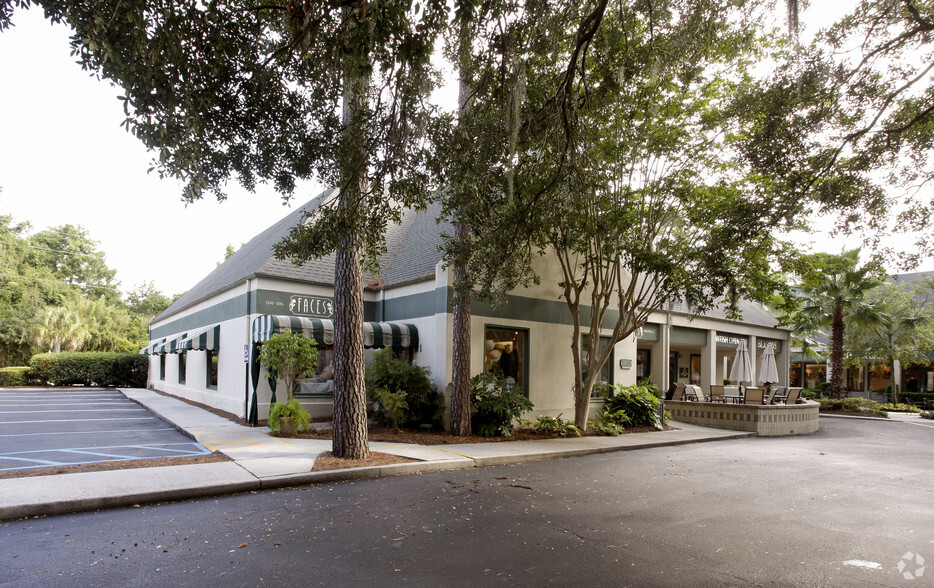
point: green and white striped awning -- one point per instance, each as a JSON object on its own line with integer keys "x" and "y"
{"x": 170, "y": 345}
{"x": 322, "y": 330}
{"x": 151, "y": 348}
{"x": 206, "y": 338}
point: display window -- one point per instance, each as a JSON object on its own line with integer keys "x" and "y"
{"x": 506, "y": 355}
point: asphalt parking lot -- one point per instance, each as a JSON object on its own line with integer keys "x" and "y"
{"x": 50, "y": 427}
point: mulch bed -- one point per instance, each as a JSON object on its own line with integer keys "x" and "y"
{"x": 441, "y": 437}
{"x": 326, "y": 461}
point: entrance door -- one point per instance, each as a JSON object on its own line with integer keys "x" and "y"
{"x": 673, "y": 367}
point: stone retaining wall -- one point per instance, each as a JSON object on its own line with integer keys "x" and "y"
{"x": 768, "y": 421}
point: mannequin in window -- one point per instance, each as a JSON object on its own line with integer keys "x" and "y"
{"x": 509, "y": 363}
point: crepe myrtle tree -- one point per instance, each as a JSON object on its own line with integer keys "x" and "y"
{"x": 278, "y": 92}
{"x": 289, "y": 356}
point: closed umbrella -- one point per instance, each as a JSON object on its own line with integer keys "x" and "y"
{"x": 742, "y": 368}
{"x": 768, "y": 370}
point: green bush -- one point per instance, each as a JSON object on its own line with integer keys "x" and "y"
{"x": 555, "y": 426}
{"x": 810, "y": 394}
{"x": 639, "y": 403}
{"x": 90, "y": 369}
{"x": 393, "y": 406}
{"x": 927, "y": 414}
{"x": 292, "y": 409}
{"x": 14, "y": 376}
{"x": 609, "y": 423}
{"x": 916, "y": 398}
{"x": 497, "y": 405}
{"x": 423, "y": 403}
{"x": 900, "y": 407}
{"x": 851, "y": 405}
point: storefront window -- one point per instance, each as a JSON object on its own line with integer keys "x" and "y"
{"x": 606, "y": 372}
{"x": 182, "y": 367}
{"x": 162, "y": 367}
{"x": 211, "y": 357}
{"x": 643, "y": 364}
{"x": 507, "y": 353}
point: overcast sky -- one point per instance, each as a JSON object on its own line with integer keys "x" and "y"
{"x": 64, "y": 158}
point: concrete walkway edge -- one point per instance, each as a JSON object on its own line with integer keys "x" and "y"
{"x": 260, "y": 462}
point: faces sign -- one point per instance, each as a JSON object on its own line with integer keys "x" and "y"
{"x": 311, "y": 306}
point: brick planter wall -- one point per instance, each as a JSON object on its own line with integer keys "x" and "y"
{"x": 768, "y": 421}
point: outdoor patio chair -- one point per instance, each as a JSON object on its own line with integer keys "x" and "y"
{"x": 679, "y": 392}
{"x": 773, "y": 390}
{"x": 793, "y": 394}
{"x": 699, "y": 392}
{"x": 690, "y": 393}
{"x": 716, "y": 393}
{"x": 753, "y": 396}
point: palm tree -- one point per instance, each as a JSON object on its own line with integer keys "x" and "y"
{"x": 58, "y": 327}
{"x": 839, "y": 296}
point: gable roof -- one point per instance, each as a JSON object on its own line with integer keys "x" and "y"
{"x": 412, "y": 253}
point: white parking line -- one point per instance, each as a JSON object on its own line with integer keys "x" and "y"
{"x": 137, "y": 409}
{"x": 75, "y": 420}
{"x": 107, "y": 432}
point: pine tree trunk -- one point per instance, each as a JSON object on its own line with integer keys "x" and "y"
{"x": 460, "y": 376}
{"x": 350, "y": 431}
{"x": 350, "y": 435}
{"x": 460, "y": 386}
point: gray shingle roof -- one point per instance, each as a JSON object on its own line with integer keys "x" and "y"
{"x": 412, "y": 253}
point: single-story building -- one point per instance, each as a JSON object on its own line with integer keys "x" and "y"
{"x": 204, "y": 346}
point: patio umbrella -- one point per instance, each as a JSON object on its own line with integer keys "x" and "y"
{"x": 742, "y": 368}
{"x": 768, "y": 370}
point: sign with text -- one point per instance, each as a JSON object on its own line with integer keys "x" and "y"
{"x": 271, "y": 302}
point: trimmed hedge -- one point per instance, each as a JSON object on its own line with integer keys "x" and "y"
{"x": 916, "y": 398}
{"x": 90, "y": 369}
{"x": 14, "y": 376}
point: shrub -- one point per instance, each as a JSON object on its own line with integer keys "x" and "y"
{"x": 423, "y": 403}
{"x": 609, "y": 423}
{"x": 915, "y": 398}
{"x": 290, "y": 356}
{"x": 392, "y": 406}
{"x": 14, "y": 376}
{"x": 900, "y": 407}
{"x": 555, "y": 425}
{"x": 497, "y": 405}
{"x": 292, "y": 409}
{"x": 640, "y": 405}
{"x": 851, "y": 405}
{"x": 927, "y": 414}
{"x": 810, "y": 394}
{"x": 90, "y": 369}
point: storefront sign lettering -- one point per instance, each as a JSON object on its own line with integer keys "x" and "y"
{"x": 311, "y": 306}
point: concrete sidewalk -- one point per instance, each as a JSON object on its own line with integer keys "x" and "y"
{"x": 261, "y": 461}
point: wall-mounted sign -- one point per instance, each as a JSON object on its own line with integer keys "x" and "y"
{"x": 625, "y": 364}
{"x": 647, "y": 332}
{"x": 311, "y": 306}
{"x": 274, "y": 302}
{"x": 729, "y": 340}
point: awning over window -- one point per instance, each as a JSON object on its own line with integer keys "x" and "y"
{"x": 207, "y": 338}
{"x": 151, "y": 348}
{"x": 322, "y": 330}
{"x": 169, "y": 345}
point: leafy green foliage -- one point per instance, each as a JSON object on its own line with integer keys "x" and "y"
{"x": 90, "y": 368}
{"x": 422, "y": 402}
{"x": 900, "y": 407}
{"x": 393, "y": 407}
{"x": 293, "y": 410}
{"x": 290, "y": 356}
{"x": 497, "y": 405}
{"x": 851, "y": 405}
{"x": 927, "y": 415}
{"x": 555, "y": 426}
{"x": 14, "y": 376}
{"x": 611, "y": 423}
{"x": 638, "y": 402}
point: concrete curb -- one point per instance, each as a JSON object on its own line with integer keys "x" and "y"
{"x": 857, "y": 418}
